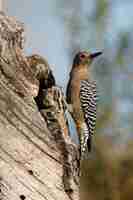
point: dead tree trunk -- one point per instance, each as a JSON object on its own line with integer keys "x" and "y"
{"x": 38, "y": 161}
{"x": 1, "y": 5}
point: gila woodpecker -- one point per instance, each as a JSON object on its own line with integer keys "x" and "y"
{"x": 81, "y": 96}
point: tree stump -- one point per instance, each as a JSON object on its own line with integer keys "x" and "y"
{"x": 38, "y": 160}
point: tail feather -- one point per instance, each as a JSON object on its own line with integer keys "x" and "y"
{"x": 89, "y": 144}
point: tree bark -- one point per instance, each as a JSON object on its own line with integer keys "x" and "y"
{"x": 1, "y": 5}
{"x": 38, "y": 160}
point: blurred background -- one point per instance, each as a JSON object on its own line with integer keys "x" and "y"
{"x": 57, "y": 29}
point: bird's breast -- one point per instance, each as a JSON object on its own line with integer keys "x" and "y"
{"x": 75, "y": 101}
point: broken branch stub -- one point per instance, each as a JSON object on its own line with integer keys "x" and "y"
{"x": 13, "y": 63}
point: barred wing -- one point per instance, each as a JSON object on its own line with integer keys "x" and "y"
{"x": 88, "y": 98}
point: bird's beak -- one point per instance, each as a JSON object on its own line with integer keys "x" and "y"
{"x": 94, "y": 55}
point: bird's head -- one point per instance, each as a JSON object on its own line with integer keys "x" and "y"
{"x": 85, "y": 58}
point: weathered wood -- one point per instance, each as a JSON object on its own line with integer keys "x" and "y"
{"x": 1, "y": 5}
{"x": 32, "y": 160}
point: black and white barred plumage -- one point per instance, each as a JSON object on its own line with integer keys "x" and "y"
{"x": 88, "y": 98}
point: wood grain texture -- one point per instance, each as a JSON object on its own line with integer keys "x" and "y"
{"x": 31, "y": 167}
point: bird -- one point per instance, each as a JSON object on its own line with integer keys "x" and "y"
{"x": 81, "y": 97}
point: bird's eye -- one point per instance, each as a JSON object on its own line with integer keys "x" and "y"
{"x": 82, "y": 56}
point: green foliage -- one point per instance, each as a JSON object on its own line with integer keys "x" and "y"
{"x": 101, "y": 9}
